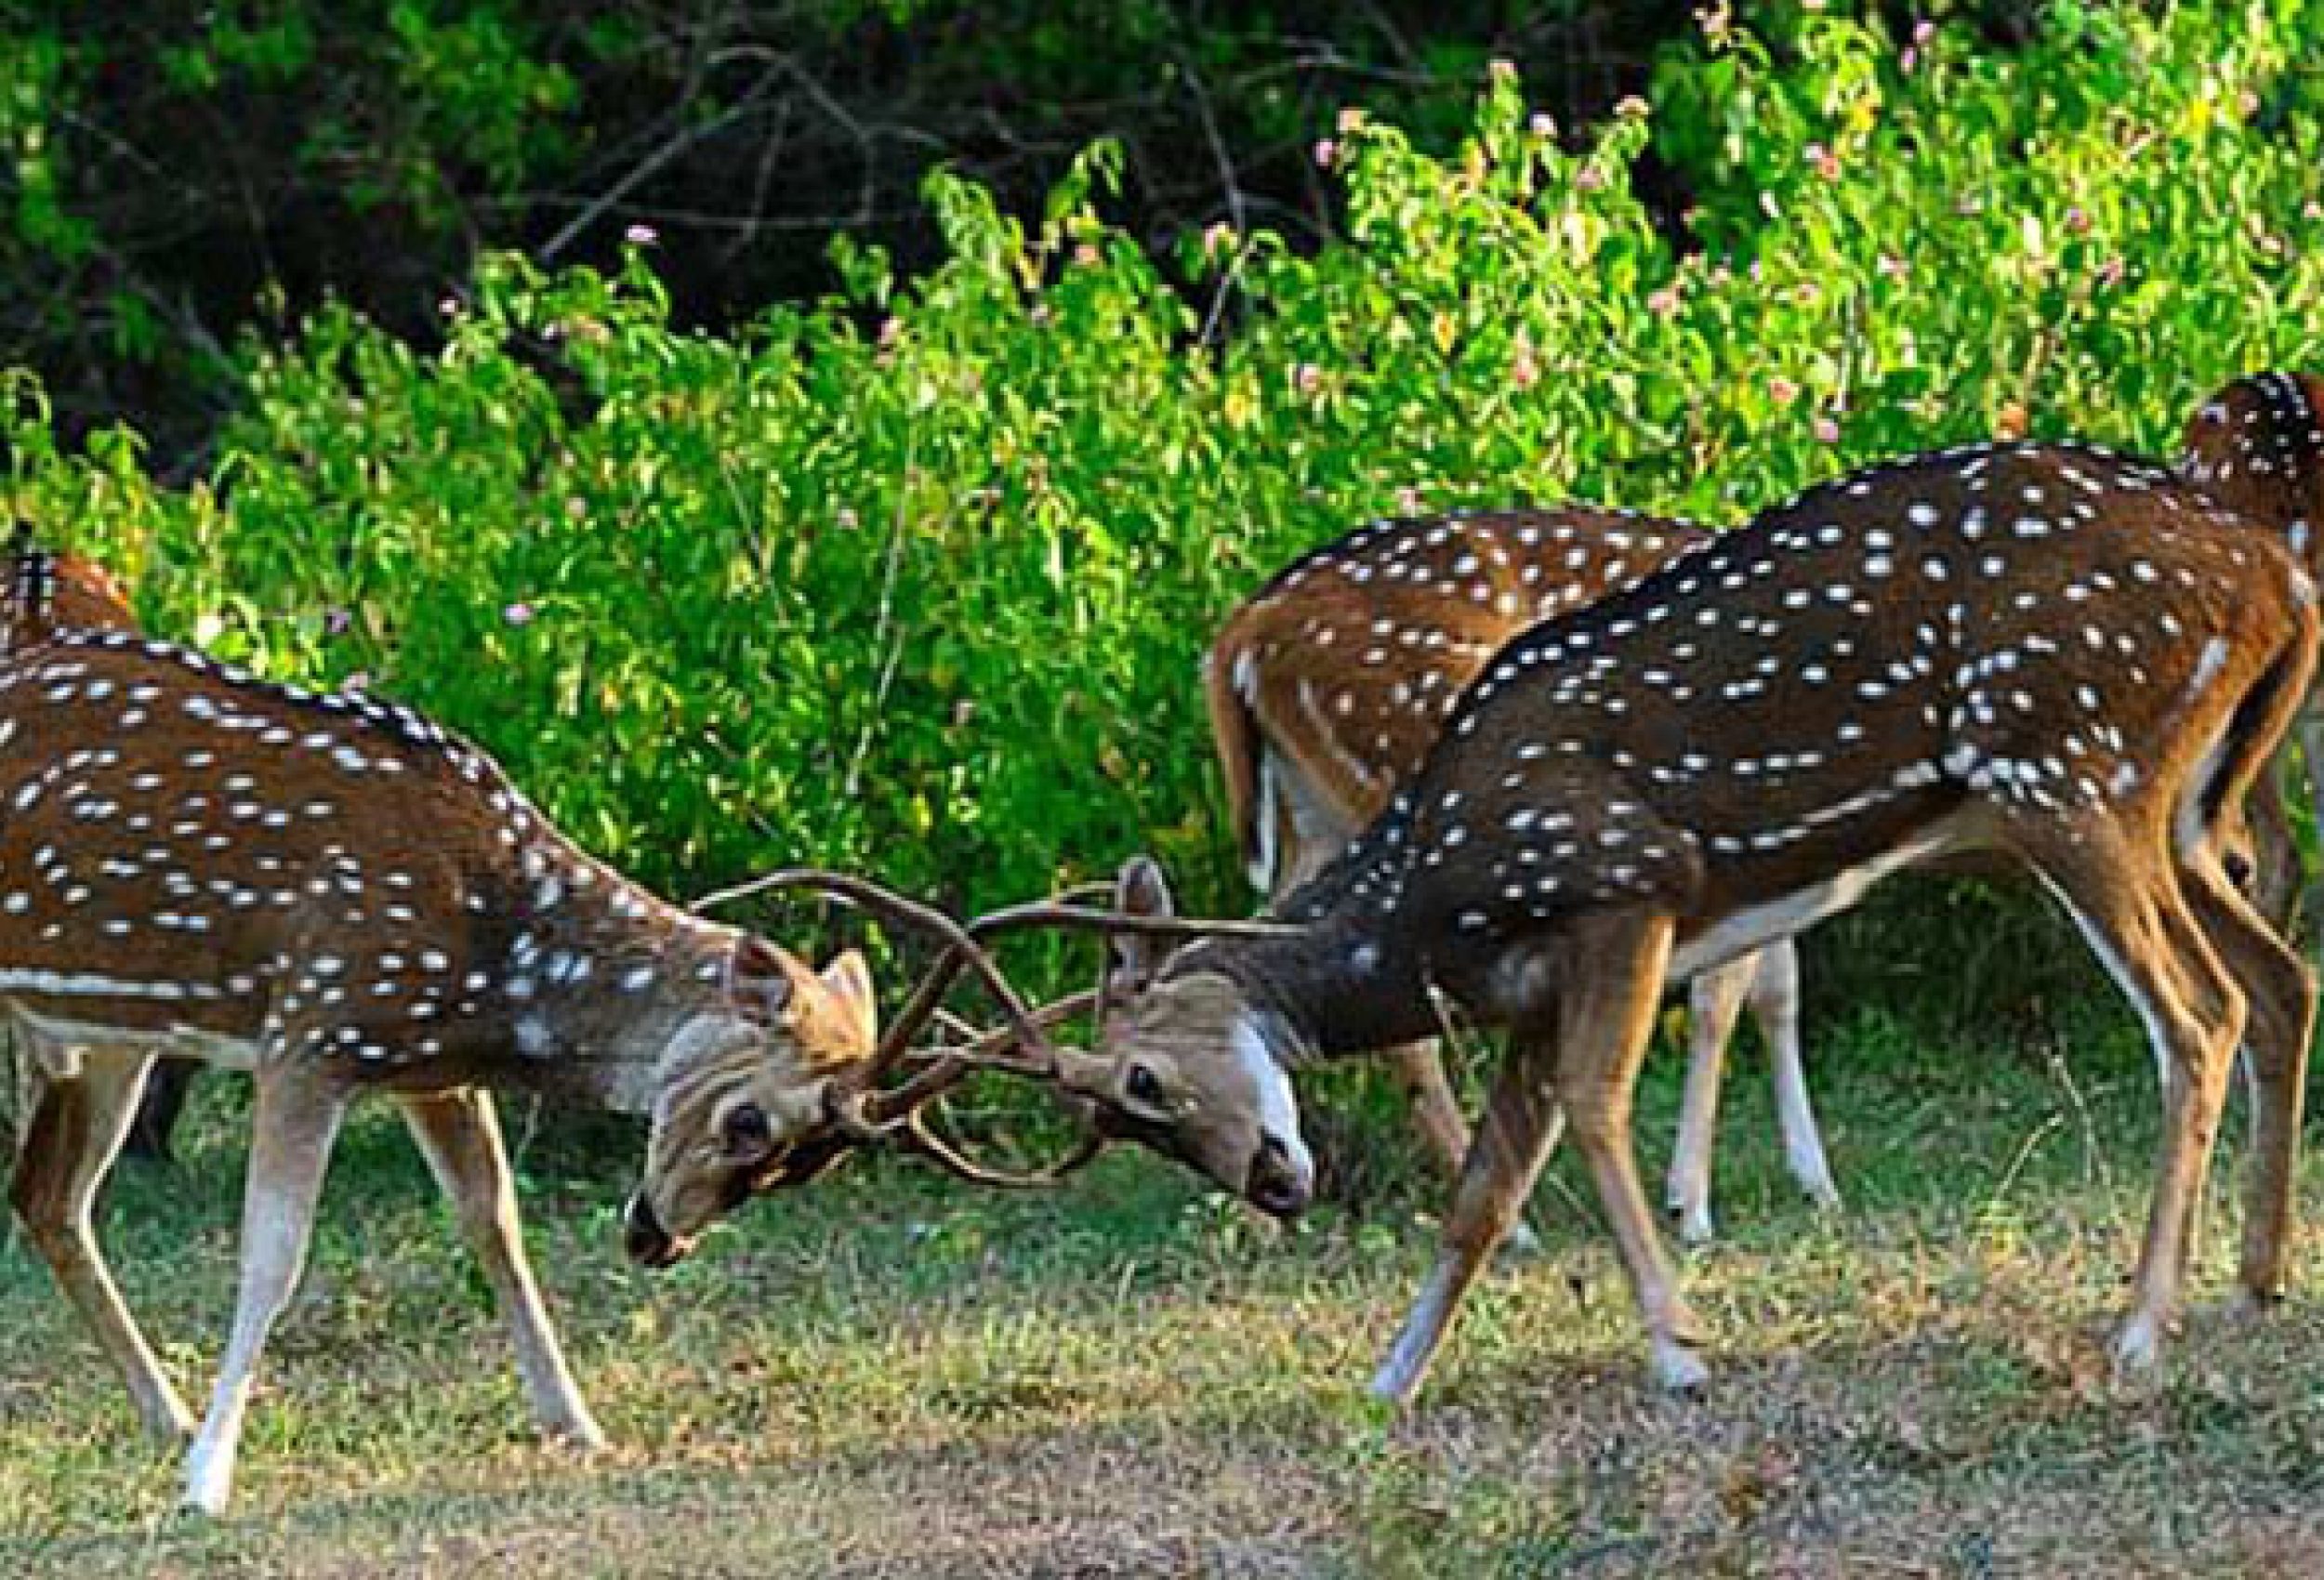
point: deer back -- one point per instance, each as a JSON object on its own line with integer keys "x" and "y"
{"x": 191, "y": 854}
{"x": 1347, "y": 661}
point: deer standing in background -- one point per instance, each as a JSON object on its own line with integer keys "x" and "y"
{"x": 1327, "y": 689}
{"x": 2257, "y": 447}
{"x": 2074, "y": 661}
{"x": 66, "y": 592}
{"x": 337, "y": 897}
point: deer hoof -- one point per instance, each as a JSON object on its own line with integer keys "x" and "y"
{"x": 2137, "y": 1350}
{"x": 1678, "y": 1369}
{"x": 580, "y": 1433}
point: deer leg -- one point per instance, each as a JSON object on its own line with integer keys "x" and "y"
{"x": 2282, "y": 995}
{"x": 2140, "y": 926}
{"x": 1715, "y": 1001}
{"x": 459, "y": 1134}
{"x": 2311, "y": 752}
{"x": 1776, "y": 1004}
{"x": 1419, "y": 1069}
{"x": 69, "y": 1146}
{"x": 294, "y": 1122}
{"x": 1514, "y": 1140}
{"x": 2261, "y": 843}
{"x": 1607, "y": 1020}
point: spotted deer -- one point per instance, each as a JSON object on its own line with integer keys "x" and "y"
{"x": 2257, "y": 447}
{"x": 65, "y": 591}
{"x": 337, "y": 897}
{"x": 1326, "y": 688}
{"x": 2073, "y": 661}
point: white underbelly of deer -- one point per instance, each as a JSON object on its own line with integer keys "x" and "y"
{"x": 1742, "y": 932}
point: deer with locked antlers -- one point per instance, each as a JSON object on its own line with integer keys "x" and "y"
{"x": 2073, "y": 661}
{"x": 1329, "y": 685}
{"x": 337, "y": 897}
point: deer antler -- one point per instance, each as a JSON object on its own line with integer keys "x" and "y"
{"x": 864, "y": 1112}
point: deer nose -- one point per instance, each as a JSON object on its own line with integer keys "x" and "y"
{"x": 1276, "y": 1186}
{"x": 643, "y": 1237}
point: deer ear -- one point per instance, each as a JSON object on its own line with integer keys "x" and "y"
{"x": 849, "y": 981}
{"x": 758, "y": 979}
{"x": 1140, "y": 890}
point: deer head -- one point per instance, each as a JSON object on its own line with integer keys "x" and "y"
{"x": 1188, "y": 1062}
{"x": 743, "y": 1093}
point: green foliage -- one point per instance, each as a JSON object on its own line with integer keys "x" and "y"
{"x": 917, "y": 579}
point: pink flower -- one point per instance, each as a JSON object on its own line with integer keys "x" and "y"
{"x": 1890, "y": 268}
{"x": 1588, "y": 178}
{"x": 1307, "y": 378}
{"x": 1524, "y": 372}
{"x": 1350, "y": 117}
{"x": 641, "y": 235}
{"x": 1782, "y": 390}
{"x": 1409, "y": 500}
{"x": 1823, "y": 160}
{"x": 2110, "y": 272}
{"x": 1907, "y": 61}
{"x": 1827, "y": 432}
{"x": 1325, "y": 152}
{"x": 1922, "y": 31}
{"x": 1663, "y": 303}
{"x": 358, "y": 682}
{"x": 847, "y": 519}
{"x": 1086, "y": 253}
{"x": 518, "y": 613}
{"x": 336, "y": 622}
{"x": 2078, "y": 222}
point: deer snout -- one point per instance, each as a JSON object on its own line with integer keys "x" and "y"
{"x": 643, "y": 1237}
{"x": 1277, "y": 1185}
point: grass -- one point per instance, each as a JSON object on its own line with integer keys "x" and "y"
{"x": 891, "y": 1375}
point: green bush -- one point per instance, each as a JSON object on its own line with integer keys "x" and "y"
{"x": 917, "y": 580}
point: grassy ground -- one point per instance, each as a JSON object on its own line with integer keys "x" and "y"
{"x": 890, "y": 1375}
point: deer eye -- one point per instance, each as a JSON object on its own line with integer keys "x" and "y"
{"x": 1143, "y": 1085}
{"x": 746, "y": 1129}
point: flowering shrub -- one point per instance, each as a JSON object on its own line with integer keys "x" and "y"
{"x": 917, "y": 580}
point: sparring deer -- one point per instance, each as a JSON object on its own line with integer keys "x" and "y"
{"x": 2045, "y": 653}
{"x": 1326, "y": 688}
{"x": 338, "y": 897}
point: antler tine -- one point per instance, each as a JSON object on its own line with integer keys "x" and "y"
{"x": 916, "y": 1134}
{"x": 963, "y": 951}
{"x": 1071, "y": 917}
{"x": 901, "y": 1113}
{"x": 950, "y": 1066}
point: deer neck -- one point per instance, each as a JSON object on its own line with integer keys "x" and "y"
{"x": 1336, "y": 987}
{"x": 594, "y": 988}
